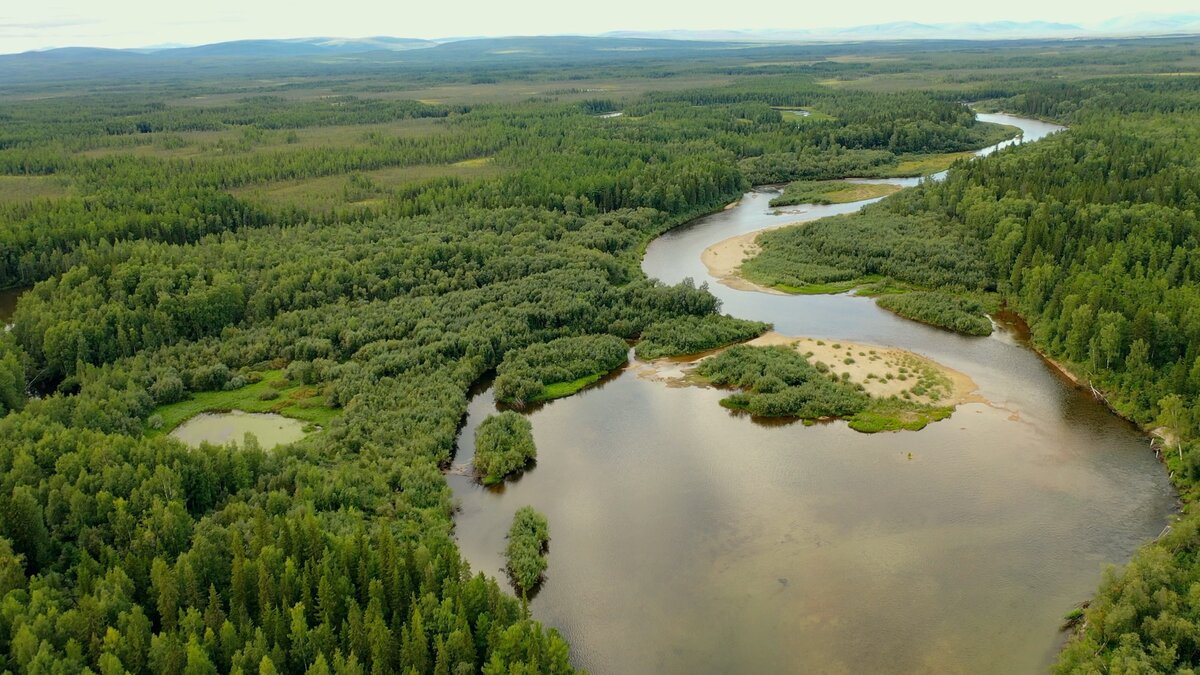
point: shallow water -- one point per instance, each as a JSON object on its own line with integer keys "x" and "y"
{"x": 8, "y": 303}
{"x": 689, "y": 539}
{"x": 270, "y": 429}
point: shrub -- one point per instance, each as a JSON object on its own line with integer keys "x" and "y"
{"x": 503, "y": 446}
{"x": 525, "y": 553}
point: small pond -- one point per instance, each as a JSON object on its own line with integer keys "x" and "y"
{"x": 270, "y": 429}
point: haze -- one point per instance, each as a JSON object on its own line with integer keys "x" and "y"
{"x": 140, "y": 23}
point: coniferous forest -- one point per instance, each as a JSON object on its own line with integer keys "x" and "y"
{"x": 374, "y": 237}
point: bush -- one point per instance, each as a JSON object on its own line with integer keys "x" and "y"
{"x": 961, "y": 315}
{"x": 168, "y": 388}
{"x": 209, "y": 378}
{"x": 525, "y": 553}
{"x": 779, "y": 382}
{"x": 525, "y": 374}
{"x": 503, "y": 446}
{"x": 693, "y": 334}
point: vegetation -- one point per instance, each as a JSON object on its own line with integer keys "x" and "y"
{"x": 694, "y": 334}
{"x": 830, "y": 192}
{"x": 897, "y": 414}
{"x": 557, "y": 368}
{"x": 503, "y": 446}
{"x": 959, "y": 314}
{"x": 1091, "y": 236}
{"x": 779, "y": 382}
{"x": 528, "y": 539}
{"x": 273, "y": 392}
{"x": 858, "y": 248}
{"x": 188, "y": 228}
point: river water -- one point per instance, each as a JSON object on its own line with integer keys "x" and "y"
{"x": 687, "y": 539}
{"x": 8, "y": 303}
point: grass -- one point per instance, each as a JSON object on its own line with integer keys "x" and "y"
{"x": 302, "y": 402}
{"x": 831, "y": 192}
{"x": 330, "y": 192}
{"x": 235, "y": 141}
{"x": 473, "y": 163}
{"x": 895, "y": 414}
{"x": 925, "y": 164}
{"x": 564, "y": 389}
{"x": 831, "y": 288}
{"x": 886, "y": 286}
{"x": 795, "y": 115}
{"x": 25, "y": 188}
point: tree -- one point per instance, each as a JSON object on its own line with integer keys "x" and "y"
{"x": 1172, "y": 415}
{"x": 25, "y": 527}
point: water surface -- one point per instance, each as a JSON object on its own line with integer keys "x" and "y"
{"x": 688, "y": 539}
{"x": 8, "y": 303}
{"x": 270, "y": 429}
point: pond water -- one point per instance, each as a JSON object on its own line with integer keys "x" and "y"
{"x": 270, "y": 429}
{"x": 685, "y": 538}
{"x": 8, "y": 303}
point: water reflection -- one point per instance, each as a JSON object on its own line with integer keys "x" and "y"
{"x": 687, "y": 539}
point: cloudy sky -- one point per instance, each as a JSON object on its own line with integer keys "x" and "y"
{"x": 139, "y": 23}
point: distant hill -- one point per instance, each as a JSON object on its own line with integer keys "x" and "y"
{"x": 482, "y": 56}
{"x": 1134, "y": 24}
{"x": 298, "y": 47}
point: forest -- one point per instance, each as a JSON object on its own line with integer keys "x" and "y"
{"x": 166, "y": 226}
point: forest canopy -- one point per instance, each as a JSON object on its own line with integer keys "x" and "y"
{"x": 186, "y": 229}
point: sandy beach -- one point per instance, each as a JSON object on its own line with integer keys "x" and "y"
{"x": 724, "y": 260}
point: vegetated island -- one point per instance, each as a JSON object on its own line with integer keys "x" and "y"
{"x": 528, "y": 539}
{"x": 831, "y": 192}
{"x": 873, "y": 388}
{"x": 503, "y": 446}
{"x": 839, "y": 254}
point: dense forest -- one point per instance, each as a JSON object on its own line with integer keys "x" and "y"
{"x": 172, "y": 235}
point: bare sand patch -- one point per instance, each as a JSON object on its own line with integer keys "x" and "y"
{"x": 882, "y": 371}
{"x": 724, "y": 261}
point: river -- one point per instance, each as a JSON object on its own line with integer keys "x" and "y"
{"x": 687, "y": 539}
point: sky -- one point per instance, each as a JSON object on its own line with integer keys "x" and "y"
{"x": 28, "y": 25}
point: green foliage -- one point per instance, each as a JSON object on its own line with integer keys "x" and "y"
{"x": 525, "y": 553}
{"x": 271, "y": 394}
{"x": 959, "y": 314}
{"x": 829, "y": 192}
{"x": 779, "y": 382}
{"x": 694, "y": 334}
{"x": 1092, "y": 236}
{"x": 557, "y": 368}
{"x": 12, "y": 375}
{"x": 813, "y": 165}
{"x": 897, "y": 414}
{"x": 503, "y": 446}
{"x": 164, "y": 281}
{"x": 916, "y": 249}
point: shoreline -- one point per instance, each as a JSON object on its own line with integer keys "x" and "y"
{"x": 879, "y": 361}
{"x": 724, "y": 259}
{"x": 876, "y": 367}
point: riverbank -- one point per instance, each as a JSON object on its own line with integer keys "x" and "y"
{"x": 724, "y": 261}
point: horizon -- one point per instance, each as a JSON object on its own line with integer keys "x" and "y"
{"x": 127, "y": 25}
